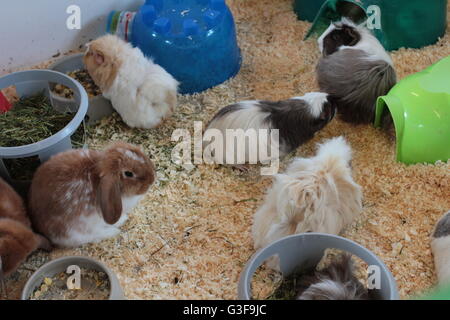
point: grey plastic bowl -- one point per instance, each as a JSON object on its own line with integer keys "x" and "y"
{"x": 32, "y": 82}
{"x": 54, "y": 267}
{"x": 99, "y": 106}
{"x": 307, "y": 249}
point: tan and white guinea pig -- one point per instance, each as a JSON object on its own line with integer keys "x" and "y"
{"x": 315, "y": 194}
{"x": 82, "y": 196}
{"x": 17, "y": 240}
{"x": 142, "y": 92}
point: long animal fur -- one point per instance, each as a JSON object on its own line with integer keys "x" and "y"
{"x": 142, "y": 92}
{"x": 335, "y": 282}
{"x": 316, "y": 194}
{"x": 355, "y": 83}
{"x": 355, "y": 75}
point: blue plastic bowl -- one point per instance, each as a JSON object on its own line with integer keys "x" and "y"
{"x": 194, "y": 40}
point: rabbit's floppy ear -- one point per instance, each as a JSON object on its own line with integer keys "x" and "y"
{"x": 109, "y": 197}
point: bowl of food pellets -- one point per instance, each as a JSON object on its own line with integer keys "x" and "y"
{"x": 99, "y": 106}
{"x": 36, "y": 128}
{"x": 73, "y": 278}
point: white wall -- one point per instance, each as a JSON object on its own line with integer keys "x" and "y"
{"x": 32, "y": 31}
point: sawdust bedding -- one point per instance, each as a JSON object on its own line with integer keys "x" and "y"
{"x": 190, "y": 237}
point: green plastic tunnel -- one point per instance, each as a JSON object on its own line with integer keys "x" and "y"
{"x": 396, "y": 23}
{"x": 420, "y": 108}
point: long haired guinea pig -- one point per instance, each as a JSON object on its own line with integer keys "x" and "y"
{"x": 17, "y": 240}
{"x": 297, "y": 120}
{"x": 354, "y": 70}
{"x": 142, "y": 92}
{"x": 83, "y": 196}
{"x": 315, "y": 194}
{"x": 334, "y": 282}
{"x": 440, "y": 246}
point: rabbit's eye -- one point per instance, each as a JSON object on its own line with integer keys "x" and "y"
{"x": 128, "y": 174}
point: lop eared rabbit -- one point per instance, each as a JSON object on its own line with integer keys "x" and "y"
{"x": 142, "y": 92}
{"x": 83, "y": 196}
{"x": 354, "y": 70}
{"x": 17, "y": 239}
{"x": 315, "y": 194}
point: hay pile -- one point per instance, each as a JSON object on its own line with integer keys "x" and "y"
{"x": 190, "y": 238}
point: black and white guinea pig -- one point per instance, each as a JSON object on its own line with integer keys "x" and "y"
{"x": 335, "y": 282}
{"x": 354, "y": 70}
{"x": 297, "y": 120}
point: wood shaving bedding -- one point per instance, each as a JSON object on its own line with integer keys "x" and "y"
{"x": 190, "y": 237}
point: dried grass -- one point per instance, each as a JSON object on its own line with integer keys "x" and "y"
{"x": 190, "y": 237}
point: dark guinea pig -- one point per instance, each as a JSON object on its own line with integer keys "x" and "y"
{"x": 297, "y": 120}
{"x": 335, "y": 282}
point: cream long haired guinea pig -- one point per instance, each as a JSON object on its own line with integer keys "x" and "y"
{"x": 142, "y": 92}
{"x": 354, "y": 70}
{"x": 17, "y": 240}
{"x": 83, "y": 196}
{"x": 315, "y": 194}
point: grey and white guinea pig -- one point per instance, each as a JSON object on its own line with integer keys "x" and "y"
{"x": 354, "y": 70}
{"x": 297, "y": 119}
{"x": 440, "y": 246}
{"x": 335, "y": 282}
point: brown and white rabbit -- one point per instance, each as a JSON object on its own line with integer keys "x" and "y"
{"x": 17, "y": 240}
{"x": 83, "y": 196}
{"x": 354, "y": 70}
{"x": 334, "y": 282}
{"x": 142, "y": 92}
{"x": 440, "y": 246}
{"x": 315, "y": 194}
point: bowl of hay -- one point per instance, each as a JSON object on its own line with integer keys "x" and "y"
{"x": 73, "y": 278}
{"x": 36, "y": 127}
